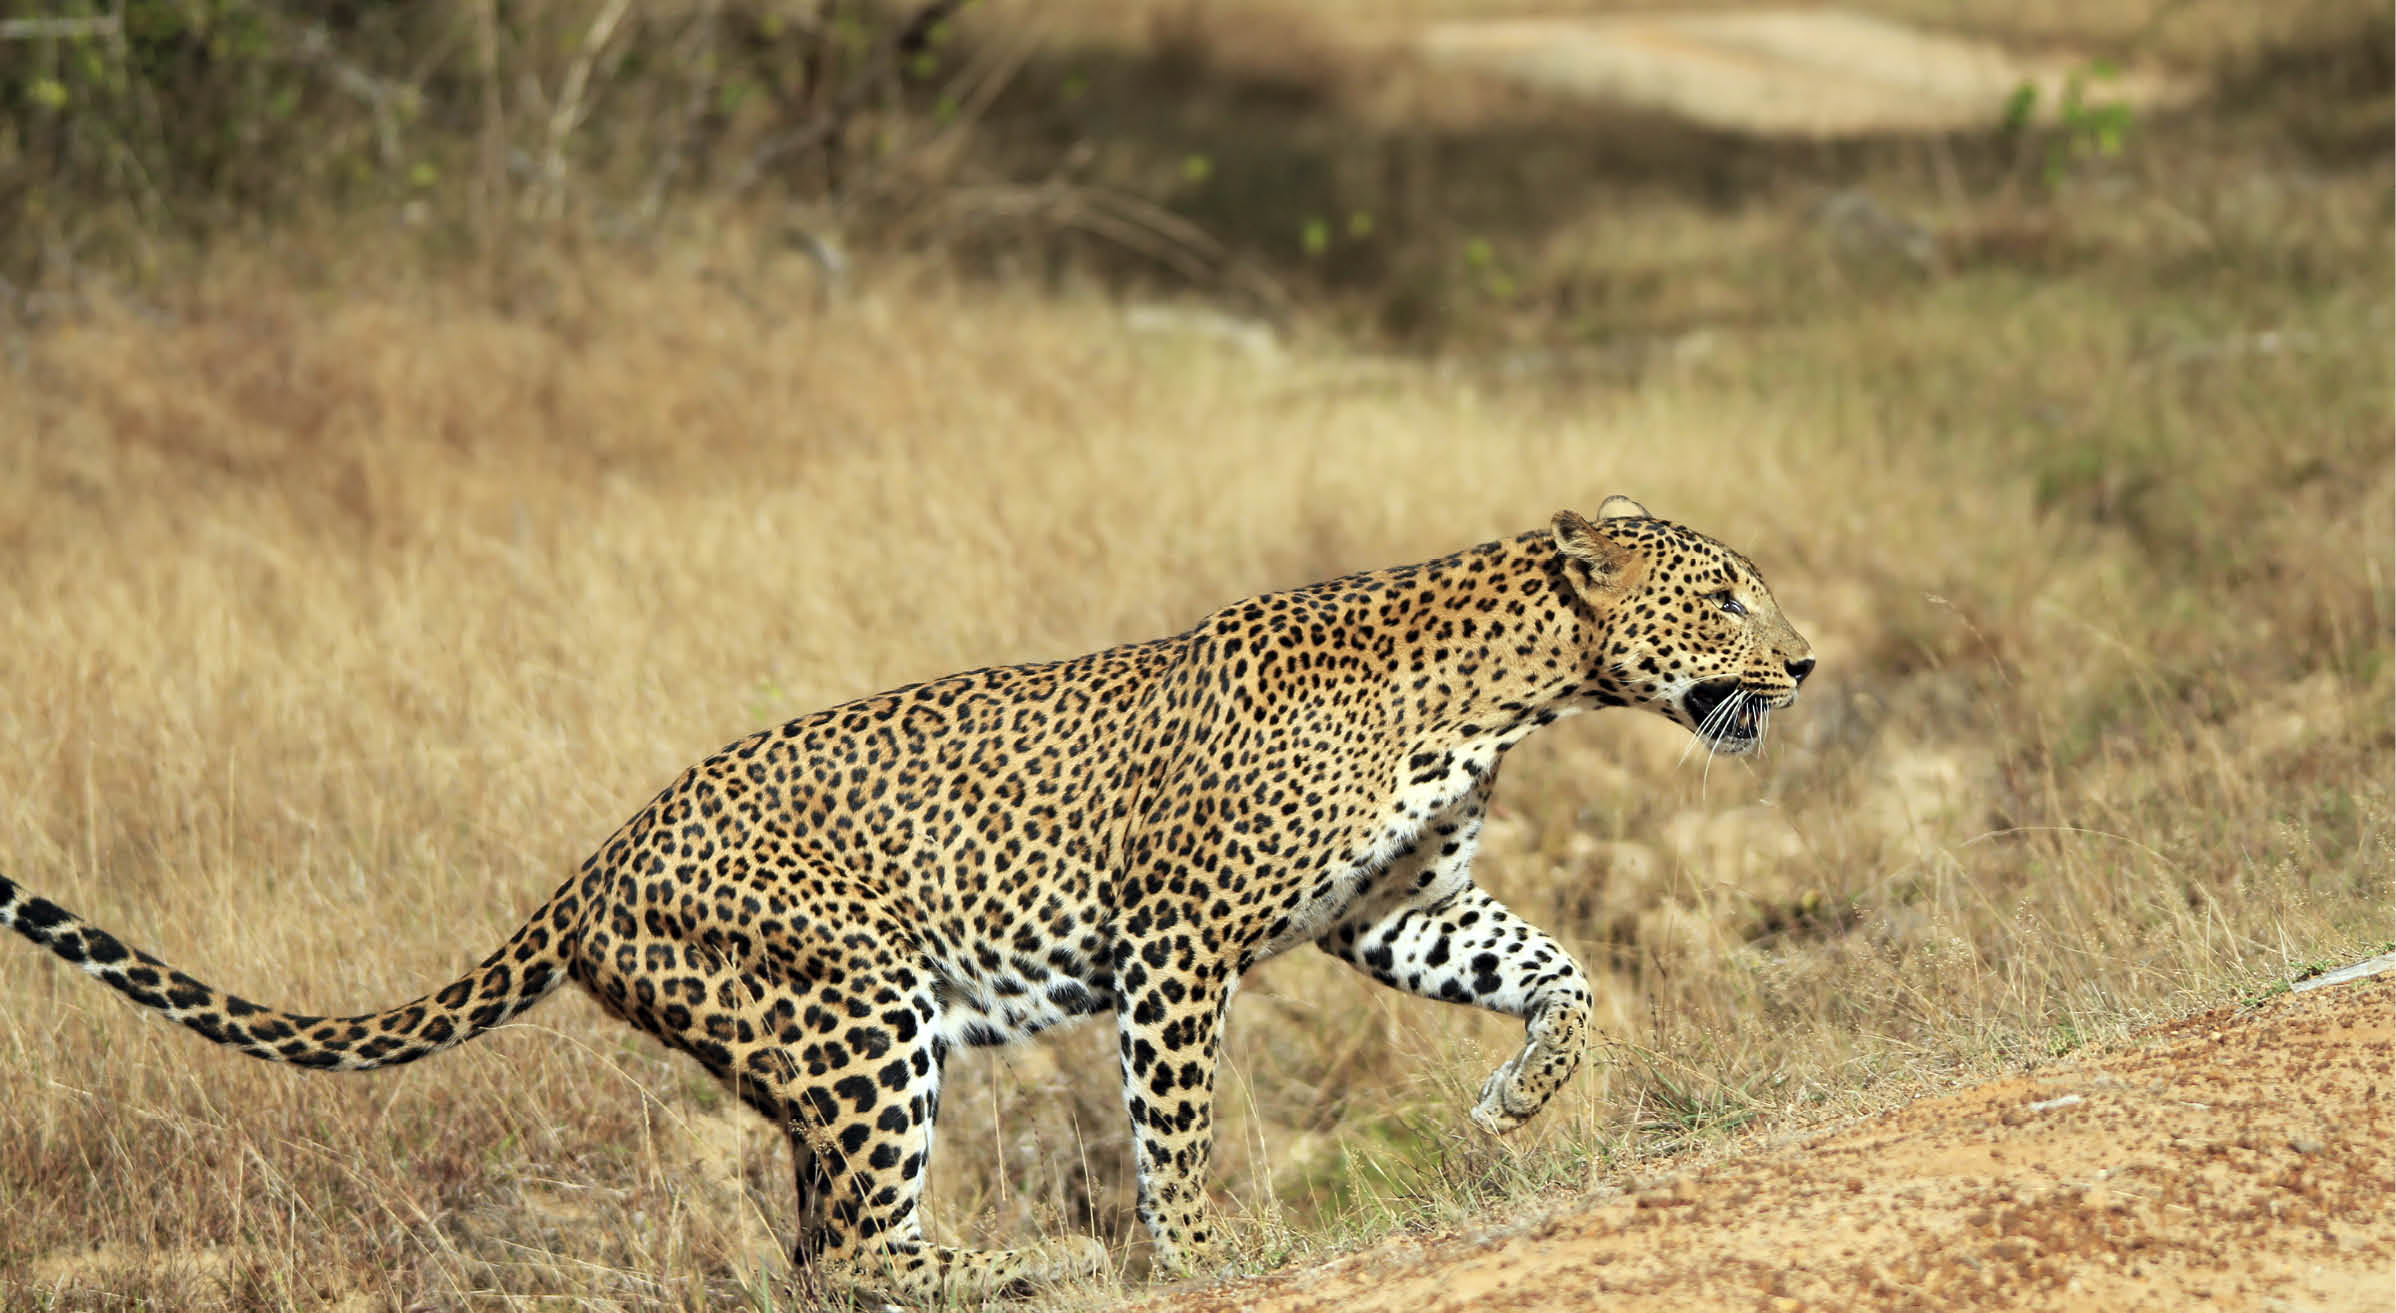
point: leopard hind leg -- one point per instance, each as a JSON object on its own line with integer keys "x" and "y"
{"x": 836, "y": 1041}
{"x": 863, "y": 1106}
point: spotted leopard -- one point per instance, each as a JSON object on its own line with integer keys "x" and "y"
{"x": 822, "y": 911}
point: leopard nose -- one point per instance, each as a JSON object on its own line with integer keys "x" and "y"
{"x": 1798, "y": 670}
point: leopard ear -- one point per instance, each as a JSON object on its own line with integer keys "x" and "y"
{"x": 1619, "y": 507}
{"x": 1605, "y": 560}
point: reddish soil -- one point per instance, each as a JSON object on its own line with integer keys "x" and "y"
{"x": 2241, "y": 1159}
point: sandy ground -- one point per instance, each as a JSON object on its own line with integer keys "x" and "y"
{"x": 2241, "y": 1159}
{"x": 1795, "y": 72}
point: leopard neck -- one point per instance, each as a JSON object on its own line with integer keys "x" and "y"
{"x": 1492, "y": 642}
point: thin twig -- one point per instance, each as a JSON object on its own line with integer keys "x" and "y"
{"x": 567, "y": 114}
{"x": 828, "y": 123}
{"x": 383, "y": 97}
{"x": 672, "y": 161}
{"x": 69, "y": 29}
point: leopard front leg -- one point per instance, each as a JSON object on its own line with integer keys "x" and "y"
{"x": 1169, "y": 1005}
{"x": 1459, "y": 945}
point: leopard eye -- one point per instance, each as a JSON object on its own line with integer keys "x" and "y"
{"x": 1729, "y": 604}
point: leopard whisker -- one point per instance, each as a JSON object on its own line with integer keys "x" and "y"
{"x": 1696, "y": 736}
{"x": 1734, "y": 703}
{"x": 1705, "y": 731}
{"x": 1706, "y": 774}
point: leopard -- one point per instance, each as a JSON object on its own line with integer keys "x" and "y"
{"x": 823, "y": 911}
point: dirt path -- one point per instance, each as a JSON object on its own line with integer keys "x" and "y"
{"x": 2242, "y": 1159}
{"x": 1780, "y": 71}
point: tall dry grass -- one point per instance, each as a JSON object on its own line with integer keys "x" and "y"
{"x": 343, "y": 616}
{"x": 340, "y": 626}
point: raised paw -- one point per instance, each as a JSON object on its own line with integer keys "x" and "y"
{"x": 1504, "y": 1103}
{"x": 1519, "y": 1089}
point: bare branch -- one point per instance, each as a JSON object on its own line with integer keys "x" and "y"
{"x": 907, "y": 38}
{"x": 567, "y": 114}
{"x": 36, "y": 29}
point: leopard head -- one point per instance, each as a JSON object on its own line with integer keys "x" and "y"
{"x": 1679, "y": 624}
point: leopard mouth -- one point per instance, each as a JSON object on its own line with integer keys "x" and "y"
{"x": 1727, "y": 716}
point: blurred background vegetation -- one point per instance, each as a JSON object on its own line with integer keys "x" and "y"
{"x": 1279, "y": 160}
{"x": 430, "y": 426}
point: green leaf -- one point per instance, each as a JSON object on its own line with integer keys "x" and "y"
{"x": 2020, "y": 107}
{"x": 1315, "y": 237}
{"x": 1196, "y": 168}
{"x": 49, "y": 93}
{"x": 1360, "y": 224}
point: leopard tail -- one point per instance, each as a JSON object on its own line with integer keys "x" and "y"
{"x": 522, "y": 972}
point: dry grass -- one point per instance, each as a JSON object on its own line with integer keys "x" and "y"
{"x": 342, "y": 621}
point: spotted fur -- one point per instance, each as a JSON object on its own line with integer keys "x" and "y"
{"x": 822, "y": 911}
